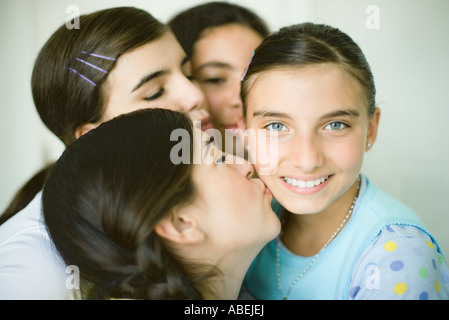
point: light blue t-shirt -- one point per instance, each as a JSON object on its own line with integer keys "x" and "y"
{"x": 384, "y": 252}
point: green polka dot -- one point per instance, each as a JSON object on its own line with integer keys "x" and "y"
{"x": 423, "y": 273}
{"x": 400, "y": 288}
{"x": 440, "y": 259}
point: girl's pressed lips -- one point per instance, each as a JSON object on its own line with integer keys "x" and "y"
{"x": 306, "y": 187}
{"x": 206, "y": 123}
{"x": 232, "y": 128}
{"x": 266, "y": 189}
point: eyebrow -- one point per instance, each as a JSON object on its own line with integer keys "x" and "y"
{"x": 215, "y": 64}
{"x": 340, "y": 113}
{"x": 270, "y": 114}
{"x": 149, "y": 77}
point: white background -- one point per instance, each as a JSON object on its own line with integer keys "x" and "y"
{"x": 409, "y": 56}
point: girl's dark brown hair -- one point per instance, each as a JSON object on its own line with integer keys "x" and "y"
{"x": 189, "y": 25}
{"x": 104, "y": 197}
{"x": 70, "y": 72}
{"x": 305, "y": 44}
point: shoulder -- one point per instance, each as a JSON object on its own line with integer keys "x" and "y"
{"x": 385, "y": 207}
{"x": 28, "y": 261}
{"x": 25, "y": 227}
{"x": 402, "y": 262}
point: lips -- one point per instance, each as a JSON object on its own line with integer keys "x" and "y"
{"x": 206, "y": 123}
{"x": 233, "y": 129}
{"x": 305, "y": 183}
{"x": 266, "y": 189}
{"x": 306, "y": 186}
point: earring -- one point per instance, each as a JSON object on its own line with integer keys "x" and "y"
{"x": 368, "y": 145}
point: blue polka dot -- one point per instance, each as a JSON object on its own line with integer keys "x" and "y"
{"x": 423, "y": 296}
{"x": 353, "y": 292}
{"x": 445, "y": 278}
{"x": 397, "y": 265}
{"x": 389, "y": 229}
{"x": 417, "y": 251}
{"x": 434, "y": 264}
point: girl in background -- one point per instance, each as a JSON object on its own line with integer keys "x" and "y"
{"x": 139, "y": 226}
{"x": 219, "y": 38}
{"x": 311, "y": 87}
{"x": 120, "y": 60}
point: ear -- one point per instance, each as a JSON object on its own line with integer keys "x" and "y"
{"x": 179, "y": 229}
{"x": 85, "y": 128}
{"x": 373, "y": 126}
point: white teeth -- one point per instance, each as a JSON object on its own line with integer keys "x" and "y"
{"x": 305, "y": 184}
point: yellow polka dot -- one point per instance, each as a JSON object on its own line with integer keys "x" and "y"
{"x": 390, "y": 246}
{"x": 400, "y": 288}
{"x": 437, "y": 286}
{"x": 430, "y": 244}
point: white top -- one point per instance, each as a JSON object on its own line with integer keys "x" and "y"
{"x": 30, "y": 267}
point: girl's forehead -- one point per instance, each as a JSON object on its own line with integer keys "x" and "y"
{"x": 320, "y": 86}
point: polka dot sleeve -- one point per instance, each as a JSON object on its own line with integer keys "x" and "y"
{"x": 401, "y": 263}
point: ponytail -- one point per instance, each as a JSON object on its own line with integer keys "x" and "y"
{"x": 28, "y": 191}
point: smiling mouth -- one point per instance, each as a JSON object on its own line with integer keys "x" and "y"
{"x": 305, "y": 184}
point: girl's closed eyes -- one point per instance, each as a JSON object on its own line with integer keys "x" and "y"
{"x": 155, "y": 96}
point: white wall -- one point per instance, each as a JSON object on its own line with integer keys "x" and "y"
{"x": 408, "y": 54}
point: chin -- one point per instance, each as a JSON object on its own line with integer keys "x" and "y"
{"x": 304, "y": 206}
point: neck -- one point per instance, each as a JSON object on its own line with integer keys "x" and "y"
{"x": 306, "y": 234}
{"x": 233, "y": 269}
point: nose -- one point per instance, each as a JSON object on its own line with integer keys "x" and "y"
{"x": 242, "y": 166}
{"x": 192, "y": 97}
{"x": 306, "y": 153}
{"x": 234, "y": 97}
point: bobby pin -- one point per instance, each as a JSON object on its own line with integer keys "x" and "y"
{"x": 91, "y": 65}
{"x": 85, "y": 78}
{"x": 99, "y": 56}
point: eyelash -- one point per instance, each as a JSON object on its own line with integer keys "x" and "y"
{"x": 155, "y": 96}
{"x": 215, "y": 81}
{"x": 273, "y": 123}
{"x": 345, "y": 126}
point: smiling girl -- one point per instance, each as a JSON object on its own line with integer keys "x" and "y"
{"x": 311, "y": 87}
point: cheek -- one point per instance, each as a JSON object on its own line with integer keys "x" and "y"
{"x": 264, "y": 151}
{"x": 346, "y": 155}
{"x": 214, "y": 101}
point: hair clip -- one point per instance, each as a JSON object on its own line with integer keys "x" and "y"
{"x": 85, "y": 78}
{"x": 247, "y": 67}
{"x": 91, "y": 65}
{"x": 99, "y": 56}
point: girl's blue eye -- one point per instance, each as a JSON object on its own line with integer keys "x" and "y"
{"x": 275, "y": 126}
{"x": 336, "y": 126}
